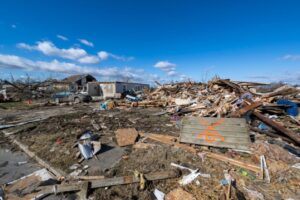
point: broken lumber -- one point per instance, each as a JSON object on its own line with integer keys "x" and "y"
{"x": 246, "y": 109}
{"x": 171, "y": 140}
{"x": 83, "y": 194}
{"x": 106, "y": 182}
{"x": 238, "y": 163}
{"x": 278, "y": 127}
{"x": 271, "y": 134}
{"x": 283, "y": 90}
{"x": 87, "y": 177}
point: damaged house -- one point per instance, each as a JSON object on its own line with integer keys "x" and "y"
{"x": 88, "y": 84}
{"x": 116, "y": 89}
{"x": 79, "y": 83}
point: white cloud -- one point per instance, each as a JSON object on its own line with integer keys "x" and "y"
{"x": 49, "y": 49}
{"x": 64, "y": 38}
{"x": 108, "y": 73}
{"x": 172, "y": 73}
{"x": 104, "y": 55}
{"x": 73, "y": 53}
{"x": 86, "y": 42}
{"x": 165, "y": 66}
{"x": 89, "y": 60}
{"x": 170, "y": 69}
{"x": 291, "y": 57}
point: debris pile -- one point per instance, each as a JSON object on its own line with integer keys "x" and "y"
{"x": 220, "y": 140}
{"x": 274, "y": 113}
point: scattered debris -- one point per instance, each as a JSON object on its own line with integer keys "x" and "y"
{"x": 23, "y": 187}
{"x": 159, "y": 195}
{"x": 88, "y": 146}
{"x": 190, "y": 177}
{"x": 264, "y": 169}
{"x": 297, "y": 166}
{"x": 234, "y": 131}
{"x": 106, "y": 182}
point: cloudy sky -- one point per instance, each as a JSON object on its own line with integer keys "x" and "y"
{"x": 151, "y": 40}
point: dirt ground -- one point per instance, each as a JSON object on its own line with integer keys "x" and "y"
{"x": 53, "y": 140}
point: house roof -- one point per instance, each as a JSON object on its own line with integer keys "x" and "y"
{"x": 77, "y": 77}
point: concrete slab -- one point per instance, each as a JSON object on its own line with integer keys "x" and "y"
{"x": 10, "y": 169}
{"x": 108, "y": 157}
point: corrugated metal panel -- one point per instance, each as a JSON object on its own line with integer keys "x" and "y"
{"x": 218, "y": 132}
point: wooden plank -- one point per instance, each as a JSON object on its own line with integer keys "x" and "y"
{"x": 243, "y": 145}
{"x": 106, "y": 182}
{"x": 84, "y": 191}
{"x": 228, "y": 139}
{"x": 234, "y": 162}
{"x": 246, "y": 109}
{"x": 227, "y": 121}
{"x": 226, "y": 124}
{"x": 170, "y": 140}
{"x": 294, "y": 136}
{"x": 226, "y": 133}
{"x": 232, "y": 128}
{"x": 57, "y": 172}
{"x": 217, "y": 132}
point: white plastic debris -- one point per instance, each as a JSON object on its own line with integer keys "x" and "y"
{"x": 74, "y": 166}
{"x": 159, "y": 195}
{"x": 297, "y": 166}
{"x": 182, "y": 167}
{"x": 22, "y": 163}
{"x": 85, "y": 167}
{"x": 187, "y": 179}
{"x": 76, "y": 172}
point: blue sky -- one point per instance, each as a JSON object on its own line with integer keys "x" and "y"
{"x": 151, "y": 40}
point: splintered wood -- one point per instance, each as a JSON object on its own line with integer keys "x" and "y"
{"x": 218, "y": 132}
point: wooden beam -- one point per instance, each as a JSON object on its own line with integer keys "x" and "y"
{"x": 171, "y": 140}
{"x": 106, "y": 182}
{"x": 271, "y": 134}
{"x": 87, "y": 177}
{"x": 234, "y": 162}
{"x": 278, "y": 127}
{"x": 57, "y": 172}
{"x": 83, "y": 194}
{"x": 246, "y": 109}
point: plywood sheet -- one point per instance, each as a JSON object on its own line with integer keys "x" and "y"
{"x": 219, "y": 132}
